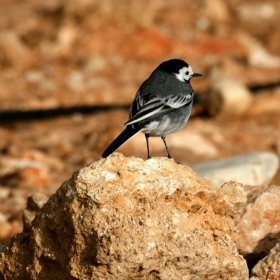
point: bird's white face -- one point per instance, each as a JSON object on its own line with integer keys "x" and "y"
{"x": 184, "y": 74}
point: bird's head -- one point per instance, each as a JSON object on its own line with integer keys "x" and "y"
{"x": 179, "y": 68}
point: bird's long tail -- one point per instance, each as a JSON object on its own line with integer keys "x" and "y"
{"x": 121, "y": 139}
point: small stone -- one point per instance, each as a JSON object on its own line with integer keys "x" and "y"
{"x": 48, "y": 85}
{"x": 256, "y": 168}
{"x": 4, "y": 193}
{"x": 75, "y": 81}
{"x": 27, "y": 217}
{"x": 66, "y": 38}
{"x": 228, "y": 98}
{"x": 95, "y": 63}
{"x": 217, "y": 10}
{"x": 35, "y": 77}
{"x": 34, "y": 203}
{"x": 3, "y": 218}
{"x": 256, "y": 11}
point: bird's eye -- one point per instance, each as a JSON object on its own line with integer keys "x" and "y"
{"x": 187, "y": 72}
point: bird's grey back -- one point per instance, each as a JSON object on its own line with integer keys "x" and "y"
{"x": 163, "y": 84}
{"x": 159, "y": 84}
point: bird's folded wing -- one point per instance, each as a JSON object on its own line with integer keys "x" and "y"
{"x": 177, "y": 101}
{"x": 158, "y": 106}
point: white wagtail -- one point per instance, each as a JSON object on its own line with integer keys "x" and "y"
{"x": 161, "y": 106}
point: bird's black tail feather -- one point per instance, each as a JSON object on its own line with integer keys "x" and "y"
{"x": 121, "y": 139}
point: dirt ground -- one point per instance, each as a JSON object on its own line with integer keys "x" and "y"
{"x": 70, "y": 69}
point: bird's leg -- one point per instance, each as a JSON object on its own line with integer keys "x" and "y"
{"x": 147, "y": 141}
{"x": 163, "y": 139}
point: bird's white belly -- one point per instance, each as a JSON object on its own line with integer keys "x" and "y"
{"x": 169, "y": 123}
{"x": 163, "y": 127}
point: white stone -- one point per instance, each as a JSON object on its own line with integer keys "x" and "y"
{"x": 256, "y": 168}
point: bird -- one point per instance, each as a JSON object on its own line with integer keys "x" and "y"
{"x": 161, "y": 106}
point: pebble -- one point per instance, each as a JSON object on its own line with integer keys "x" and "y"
{"x": 34, "y": 203}
{"x": 3, "y": 218}
{"x": 75, "y": 81}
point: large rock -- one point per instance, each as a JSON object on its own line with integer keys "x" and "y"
{"x": 126, "y": 218}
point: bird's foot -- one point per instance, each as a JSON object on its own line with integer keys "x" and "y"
{"x": 170, "y": 157}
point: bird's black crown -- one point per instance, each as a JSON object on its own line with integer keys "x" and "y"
{"x": 172, "y": 65}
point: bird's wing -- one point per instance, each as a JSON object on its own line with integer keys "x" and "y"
{"x": 158, "y": 106}
{"x": 177, "y": 101}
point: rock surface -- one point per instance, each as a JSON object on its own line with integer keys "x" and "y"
{"x": 125, "y": 218}
{"x": 256, "y": 168}
{"x": 259, "y": 227}
{"x": 268, "y": 267}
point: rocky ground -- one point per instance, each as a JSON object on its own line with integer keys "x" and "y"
{"x": 127, "y": 218}
{"x": 69, "y": 70}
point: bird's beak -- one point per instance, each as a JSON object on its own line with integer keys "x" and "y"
{"x": 196, "y": 75}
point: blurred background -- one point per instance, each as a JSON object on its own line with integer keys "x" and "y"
{"x": 70, "y": 69}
